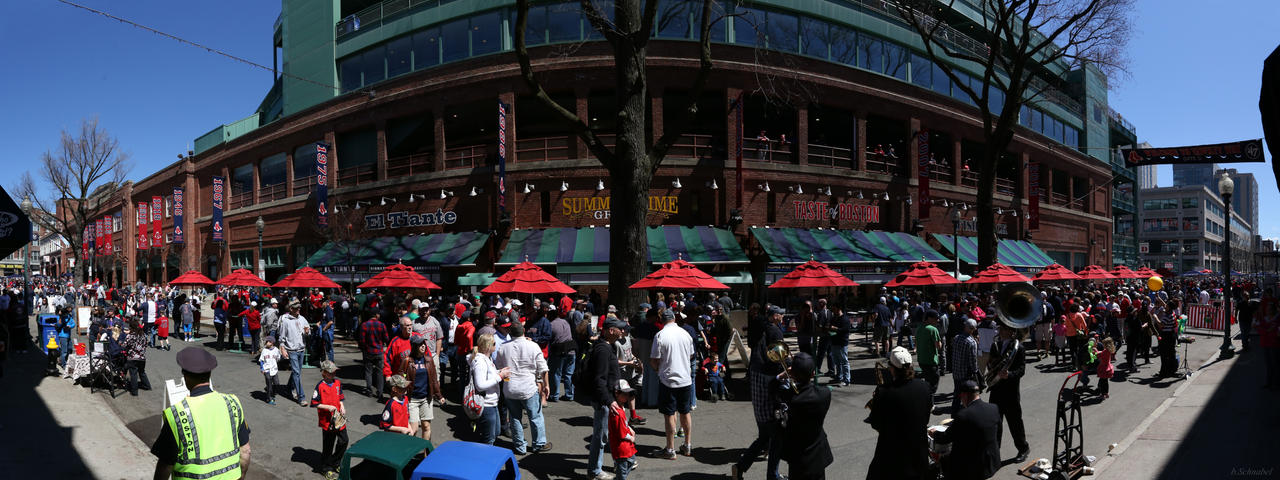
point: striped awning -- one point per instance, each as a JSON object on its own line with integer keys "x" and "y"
{"x": 584, "y": 246}
{"x": 1014, "y": 253}
{"x": 895, "y": 246}
{"x": 799, "y": 245}
{"x": 444, "y": 249}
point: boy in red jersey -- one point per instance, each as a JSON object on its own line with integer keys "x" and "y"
{"x": 395, "y": 417}
{"x": 327, "y": 398}
{"x": 622, "y": 439}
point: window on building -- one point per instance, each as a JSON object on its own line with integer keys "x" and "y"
{"x": 565, "y": 23}
{"x": 374, "y": 64}
{"x": 486, "y": 33}
{"x": 544, "y": 206}
{"x": 426, "y": 48}
{"x": 168, "y": 204}
{"x": 349, "y": 73}
{"x": 357, "y": 154}
{"x": 1160, "y": 204}
{"x": 400, "y": 56}
{"x": 748, "y": 26}
{"x": 1189, "y": 202}
{"x": 456, "y": 40}
{"x": 1191, "y": 247}
{"x": 674, "y": 19}
{"x": 870, "y": 53}
{"x": 272, "y": 171}
{"x": 814, "y": 38}
{"x": 843, "y": 43}
{"x": 242, "y": 259}
{"x": 1165, "y": 224}
{"x": 304, "y": 168}
{"x": 896, "y": 59}
{"x": 784, "y": 32}
{"x": 771, "y": 213}
{"x": 921, "y": 71}
{"x": 242, "y": 180}
{"x": 1191, "y": 224}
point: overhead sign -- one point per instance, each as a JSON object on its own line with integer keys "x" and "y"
{"x": 15, "y": 226}
{"x": 598, "y": 207}
{"x": 849, "y": 212}
{"x": 971, "y": 225}
{"x": 406, "y": 219}
{"x": 1245, "y": 151}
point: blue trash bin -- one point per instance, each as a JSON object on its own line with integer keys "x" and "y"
{"x": 48, "y": 324}
{"x": 458, "y": 460}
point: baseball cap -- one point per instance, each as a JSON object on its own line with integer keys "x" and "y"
{"x": 274, "y": 301}
{"x": 197, "y": 360}
{"x": 328, "y": 366}
{"x": 516, "y": 302}
{"x": 645, "y": 306}
{"x": 613, "y": 309}
{"x": 776, "y": 310}
{"x": 416, "y": 340}
{"x": 899, "y": 357}
{"x": 612, "y": 322}
{"x": 398, "y": 381}
{"x": 624, "y": 387}
{"x": 668, "y": 315}
{"x": 802, "y": 365}
{"x": 490, "y": 314}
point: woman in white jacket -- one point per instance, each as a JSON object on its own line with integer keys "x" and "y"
{"x": 488, "y": 380}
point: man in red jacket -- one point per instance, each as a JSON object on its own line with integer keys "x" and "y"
{"x": 398, "y": 348}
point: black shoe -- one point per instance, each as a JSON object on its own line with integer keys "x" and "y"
{"x": 1022, "y": 456}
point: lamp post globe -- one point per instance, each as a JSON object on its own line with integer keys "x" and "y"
{"x": 1226, "y": 187}
{"x": 262, "y": 264}
{"x": 26, "y": 260}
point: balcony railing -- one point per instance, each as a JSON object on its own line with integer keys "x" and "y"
{"x": 830, "y": 156}
{"x": 410, "y": 165}
{"x": 1005, "y": 186}
{"x": 239, "y": 200}
{"x": 881, "y": 163}
{"x": 969, "y": 178}
{"x": 543, "y": 149}
{"x": 941, "y": 173}
{"x": 693, "y": 146}
{"x": 471, "y": 156}
{"x": 352, "y": 176}
{"x": 304, "y": 185}
{"x": 271, "y": 193}
{"x": 768, "y": 151}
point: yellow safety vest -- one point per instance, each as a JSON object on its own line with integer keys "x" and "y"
{"x": 207, "y": 429}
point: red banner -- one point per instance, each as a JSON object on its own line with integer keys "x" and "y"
{"x": 157, "y": 216}
{"x": 1033, "y": 196}
{"x": 84, "y": 243}
{"x": 108, "y": 246}
{"x": 97, "y": 236}
{"x": 144, "y": 240}
{"x": 922, "y": 174}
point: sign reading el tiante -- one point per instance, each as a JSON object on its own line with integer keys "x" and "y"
{"x": 598, "y": 207}
{"x": 848, "y": 212}
{"x": 406, "y": 219}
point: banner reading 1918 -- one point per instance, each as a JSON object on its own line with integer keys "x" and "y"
{"x": 217, "y": 209}
{"x": 157, "y": 216}
{"x": 178, "y": 235}
{"x": 322, "y": 185}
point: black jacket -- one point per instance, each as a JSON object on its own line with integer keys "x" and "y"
{"x": 900, "y": 414}
{"x": 604, "y": 372}
{"x": 804, "y": 442}
{"x": 1017, "y": 367}
{"x": 974, "y": 435}
{"x": 759, "y": 361}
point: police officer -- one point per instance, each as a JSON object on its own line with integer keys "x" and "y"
{"x": 198, "y": 440}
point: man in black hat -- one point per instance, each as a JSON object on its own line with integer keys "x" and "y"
{"x": 802, "y": 440}
{"x": 974, "y": 435}
{"x": 223, "y": 451}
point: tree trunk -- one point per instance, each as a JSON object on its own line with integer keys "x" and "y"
{"x": 996, "y": 143}
{"x": 631, "y": 172}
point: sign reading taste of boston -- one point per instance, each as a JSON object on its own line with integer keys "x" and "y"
{"x": 848, "y": 212}
{"x": 406, "y": 219}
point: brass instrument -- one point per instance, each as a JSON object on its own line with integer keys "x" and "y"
{"x": 1018, "y": 306}
{"x": 993, "y": 370}
{"x": 779, "y": 353}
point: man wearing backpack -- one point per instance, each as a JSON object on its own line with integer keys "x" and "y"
{"x": 601, "y": 374}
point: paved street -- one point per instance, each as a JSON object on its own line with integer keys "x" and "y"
{"x": 286, "y": 441}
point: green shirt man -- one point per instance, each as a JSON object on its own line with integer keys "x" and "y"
{"x": 927, "y": 338}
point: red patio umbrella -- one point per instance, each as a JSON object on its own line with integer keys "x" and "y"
{"x": 813, "y": 274}
{"x": 190, "y": 278}
{"x": 678, "y": 275}
{"x": 1055, "y": 272}
{"x": 399, "y": 276}
{"x": 922, "y": 273}
{"x": 1146, "y": 272}
{"x": 1121, "y": 271}
{"x": 1094, "y": 272}
{"x": 527, "y": 278}
{"x": 998, "y": 273}
{"x": 306, "y": 277}
{"x": 242, "y": 278}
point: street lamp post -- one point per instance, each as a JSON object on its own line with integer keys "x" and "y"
{"x": 262, "y": 263}
{"x": 955, "y": 242}
{"x": 26, "y": 261}
{"x": 1226, "y": 187}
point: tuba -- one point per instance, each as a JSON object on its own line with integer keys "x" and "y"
{"x": 780, "y": 354}
{"x": 1019, "y": 305}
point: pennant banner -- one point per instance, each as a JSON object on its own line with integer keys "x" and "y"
{"x": 1033, "y": 195}
{"x": 178, "y": 234}
{"x": 217, "y": 209}
{"x": 157, "y": 216}
{"x": 1233, "y": 152}
{"x": 322, "y": 185}
{"x": 922, "y": 175}
{"x": 144, "y": 240}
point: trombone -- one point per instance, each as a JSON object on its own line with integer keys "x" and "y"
{"x": 780, "y": 354}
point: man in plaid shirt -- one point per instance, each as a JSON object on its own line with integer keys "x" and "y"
{"x": 373, "y": 339}
{"x": 964, "y": 358}
{"x": 762, "y": 374}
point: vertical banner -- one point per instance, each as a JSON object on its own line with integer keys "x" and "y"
{"x": 322, "y": 185}
{"x": 1033, "y": 197}
{"x": 157, "y": 217}
{"x": 85, "y": 243}
{"x": 108, "y": 246}
{"x": 217, "y": 209}
{"x": 922, "y": 174}
{"x": 144, "y": 240}
{"x": 97, "y": 236}
{"x": 502, "y": 157}
{"x": 737, "y": 106}
{"x": 178, "y": 234}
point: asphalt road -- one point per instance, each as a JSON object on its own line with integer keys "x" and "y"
{"x": 286, "y": 439}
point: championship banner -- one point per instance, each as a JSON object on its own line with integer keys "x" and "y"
{"x": 144, "y": 240}
{"x": 1033, "y": 195}
{"x": 86, "y": 243}
{"x": 217, "y": 209}
{"x": 1245, "y": 151}
{"x": 737, "y": 106}
{"x": 922, "y": 174}
{"x": 1206, "y": 317}
{"x": 97, "y": 236}
{"x": 107, "y": 246}
{"x": 322, "y": 185}
{"x": 157, "y": 216}
{"x": 502, "y": 157}
{"x": 179, "y": 236}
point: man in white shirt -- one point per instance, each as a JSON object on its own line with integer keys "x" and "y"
{"x": 293, "y": 328}
{"x": 526, "y": 388}
{"x": 671, "y": 355}
{"x": 149, "y": 309}
{"x": 1204, "y": 297}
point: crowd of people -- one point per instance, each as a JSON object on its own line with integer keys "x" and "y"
{"x": 504, "y": 358}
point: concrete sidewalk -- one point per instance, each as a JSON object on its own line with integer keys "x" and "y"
{"x": 1219, "y": 424}
{"x": 54, "y": 429}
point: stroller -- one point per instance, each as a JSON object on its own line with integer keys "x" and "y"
{"x": 107, "y": 370}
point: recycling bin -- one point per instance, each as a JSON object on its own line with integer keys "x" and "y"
{"x": 48, "y": 325}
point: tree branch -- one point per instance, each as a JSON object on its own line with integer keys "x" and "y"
{"x": 690, "y": 109}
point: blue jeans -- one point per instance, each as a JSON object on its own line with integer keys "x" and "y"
{"x": 487, "y": 425}
{"x": 599, "y": 438}
{"x": 295, "y": 373}
{"x": 561, "y": 366}
{"x": 328, "y": 343}
{"x": 622, "y": 467}
{"x": 763, "y": 443}
{"x": 64, "y": 344}
{"x": 839, "y": 355}
{"x": 534, "y": 406}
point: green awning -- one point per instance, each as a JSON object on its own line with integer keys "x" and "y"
{"x": 476, "y": 279}
{"x": 444, "y": 249}
{"x": 894, "y": 246}
{"x": 590, "y": 246}
{"x": 1013, "y": 253}
{"x": 799, "y": 245}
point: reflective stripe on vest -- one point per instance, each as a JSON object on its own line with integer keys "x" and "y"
{"x": 208, "y": 448}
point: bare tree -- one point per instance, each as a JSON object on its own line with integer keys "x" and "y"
{"x": 1018, "y": 38}
{"x": 86, "y": 169}
{"x": 633, "y": 160}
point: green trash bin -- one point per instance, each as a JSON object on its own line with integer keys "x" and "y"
{"x": 394, "y": 450}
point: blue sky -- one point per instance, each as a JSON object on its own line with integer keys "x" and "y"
{"x": 1194, "y": 76}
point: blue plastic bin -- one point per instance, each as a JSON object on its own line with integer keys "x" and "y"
{"x": 457, "y": 460}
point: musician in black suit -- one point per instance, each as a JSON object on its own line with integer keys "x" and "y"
{"x": 974, "y": 435}
{"x": 803, "y": 441}
{"x": 900, "y": 413}
{"x": 1005, "y": 387}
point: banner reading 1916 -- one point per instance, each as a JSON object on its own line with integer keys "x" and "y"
{"x": 217, "y": 209}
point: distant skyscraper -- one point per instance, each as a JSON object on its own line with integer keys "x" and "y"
{"x": 1196, "y": 174}
{"x": 1148, "y": 176}
{"x": 1245, "y": 199}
